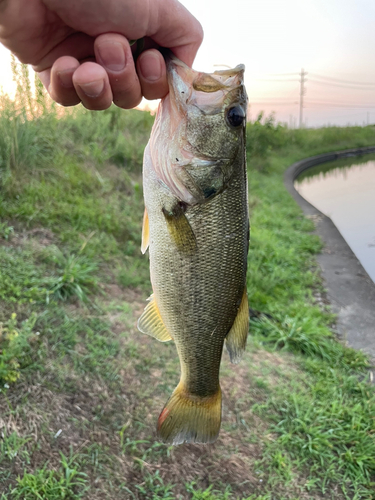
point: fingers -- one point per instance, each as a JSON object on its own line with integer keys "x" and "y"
{"x": 113, "y": 78}
{"x": 92, "y": 85}
{"x": 61, "y": 86}
{"x": 152, "y": 74}
{"x": 69, "y": 83}
{"x": 114, "y": 54}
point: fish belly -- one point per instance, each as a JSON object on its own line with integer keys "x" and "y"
{"x": 198, "y": 293}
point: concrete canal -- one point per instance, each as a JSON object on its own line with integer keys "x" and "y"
{"x": 344, "y": 190}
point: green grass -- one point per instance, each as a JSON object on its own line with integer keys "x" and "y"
{"x": 65, "y": 483}
{"x": 76, "y": 378}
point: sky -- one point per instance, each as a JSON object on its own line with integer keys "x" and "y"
{"x": 332, "y": 40}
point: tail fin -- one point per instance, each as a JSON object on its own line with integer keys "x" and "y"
{"x": 187, "y": 418}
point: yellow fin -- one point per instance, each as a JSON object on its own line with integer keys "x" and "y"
{"x": 187, "y": 418}
{"x": 145, "y": 232}
{"x": 235, "y": 341}
{"x": 151, "y": 323}
{"x": 180, "y": 230}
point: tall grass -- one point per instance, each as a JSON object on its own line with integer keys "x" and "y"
{"x": 266, "y": 137}
{"x": 36, "y": 134}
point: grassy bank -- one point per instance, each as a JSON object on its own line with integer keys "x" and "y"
{"x": 81, "y": 388}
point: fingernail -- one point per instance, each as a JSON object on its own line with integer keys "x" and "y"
{"x": 150, "y": 67}
{"x": 112, "y": 56}
{"x": 65, "y": 78}
{"x": 92, "y": 89}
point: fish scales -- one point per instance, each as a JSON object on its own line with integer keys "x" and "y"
{"x": 198, "y": 260}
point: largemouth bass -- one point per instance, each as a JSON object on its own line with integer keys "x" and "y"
{"x": 196, "y": 226}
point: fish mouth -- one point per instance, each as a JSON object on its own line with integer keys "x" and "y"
{"x": 204, "y": 82}
{"x": 208, "y": 91}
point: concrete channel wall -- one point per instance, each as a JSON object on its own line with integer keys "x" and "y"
{"x": 350, "y": 290}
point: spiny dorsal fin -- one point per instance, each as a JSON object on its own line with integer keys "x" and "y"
{"x": 236, "y": 339}
{"x": 180, "y": 230}
{"x": 151, "y": 323}
{"x": 145, "y": 232}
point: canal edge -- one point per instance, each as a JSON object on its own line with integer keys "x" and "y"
{"x": 350, "y": 290}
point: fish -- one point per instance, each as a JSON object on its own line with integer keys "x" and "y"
{"x": 196, "y": 227}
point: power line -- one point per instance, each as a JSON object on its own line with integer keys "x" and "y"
{"x": 273, "y": 103}
{"x": 282, "y": 74}
{"x": 319, "y": 102}
{"x": 274, "y": 80}
{"x": 342, "y": 81}
{"x": 347, "y": 116}
{"x": 340, "y": 85}
{"x": 267, "y": 98}
{"x": 339, "y": 105}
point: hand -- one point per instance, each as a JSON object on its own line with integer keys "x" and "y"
{"x": 80, "y": 48}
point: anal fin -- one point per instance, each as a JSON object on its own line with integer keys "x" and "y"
{"x": 235, "y": 341}
{"x": 145, "y": 232}
{"x": 151, "y": 323}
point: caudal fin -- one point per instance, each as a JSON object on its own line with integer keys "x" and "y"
{"x": 187, "y": 418}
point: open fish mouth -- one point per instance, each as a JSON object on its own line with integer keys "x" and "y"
{"x": 207, "y": 91}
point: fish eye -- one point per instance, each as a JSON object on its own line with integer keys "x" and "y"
{"x": 235, "y": 116}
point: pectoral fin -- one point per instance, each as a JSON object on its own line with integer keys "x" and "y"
{"x": 180, "y": 230}
{"x": 151, "y": 323}
{"x": 236, "y": 339}
{"x": 145, "y": 232}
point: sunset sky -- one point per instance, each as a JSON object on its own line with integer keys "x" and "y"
{"x": 333, "y": 40}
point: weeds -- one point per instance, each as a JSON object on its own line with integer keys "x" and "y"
{"x": 21, "y": 281}
{"x": 307, "y": 336}
{"x": 67, "y": 483}
{"x": 153, "y": 488}
{"x": 6, "y": 231}
{"x": 208, "y": 494}
{"x": 76, "y": 277}
{"x": 11, "y": 446}
{"x": 16, "y": 345}
{"x": 327, "y": 426}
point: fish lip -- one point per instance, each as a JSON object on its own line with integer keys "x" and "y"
{"x": 171, "y": 59}
{"x": 172, "y": 63}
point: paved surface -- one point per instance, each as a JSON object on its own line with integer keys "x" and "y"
{"x": 350, "y": 289}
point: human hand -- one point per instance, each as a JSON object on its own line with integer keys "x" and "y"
{"x": 81, "y": 51}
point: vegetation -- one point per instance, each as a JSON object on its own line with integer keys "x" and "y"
{"x": 81, "y": 388}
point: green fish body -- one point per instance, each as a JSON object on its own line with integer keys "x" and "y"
{"x": 197, "y": 229}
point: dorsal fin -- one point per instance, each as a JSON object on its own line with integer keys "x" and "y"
{"x": 151, "y": 323}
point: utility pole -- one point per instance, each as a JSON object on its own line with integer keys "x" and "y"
{"x": 302, "y": 93}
